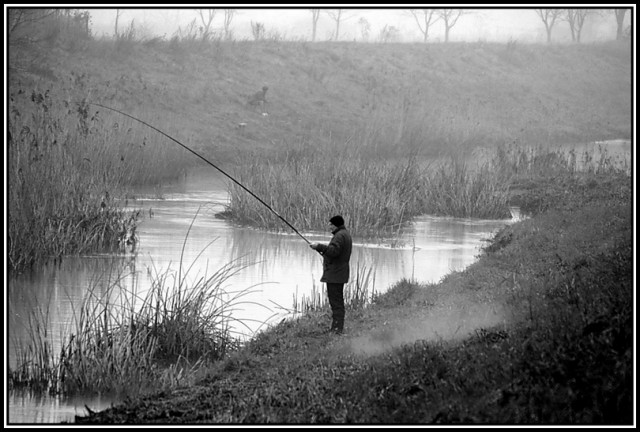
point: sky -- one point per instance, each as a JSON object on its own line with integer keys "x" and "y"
{"x": 291, "y": 22}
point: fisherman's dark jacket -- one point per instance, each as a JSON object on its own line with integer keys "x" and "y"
{"x": 336, "y": 257}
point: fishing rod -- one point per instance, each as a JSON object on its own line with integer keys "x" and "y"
{"x": 204, "y": 159}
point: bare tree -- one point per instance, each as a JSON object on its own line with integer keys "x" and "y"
{"x": 258, "y": 30}
{"x": 118, "y": 13}
{"x": 315, "y": 15}
{"x": 549, "y": 18}
{"x": 620, "y": 13}
{"x": 365, "y": 28}
{"x": 338, "y": 15}
{"x": 389, "y": 34}
{"x": 206, "y": 16}
{"x": 450, "y": 18}
{"x": 424, "y": 18}
{"x": 228, "y": 17}
{"x": 575, "y": 18}
{"x": 34, "y": 26}
{"x": 21, "y": 17}
{"x": 27, "y": 26}
{"x": 17, "y": 17}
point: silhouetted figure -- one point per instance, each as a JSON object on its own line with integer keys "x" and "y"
{"x": 259, "y": 98}
{"x": 335, "y": 269}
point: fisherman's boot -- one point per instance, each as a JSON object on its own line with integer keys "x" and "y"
{"x": 339, "y": 325}
{"x": 334, "y": 325}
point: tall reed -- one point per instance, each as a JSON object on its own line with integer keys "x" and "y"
{"x": 377, "y": 198}
{"x": 68, "y": 167}
{"x": 455, "y": 189}
{"x": 306, "y": 187}
{"x": 125, "y": 341}
{"x": 358, "y": 292}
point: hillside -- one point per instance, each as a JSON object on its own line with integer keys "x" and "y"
{"x": 382, "y": 96}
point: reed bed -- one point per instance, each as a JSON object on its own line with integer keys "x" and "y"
{"x": 124, "y": 341}
{"x": 456, "y": 189}
{"x": 37, "y": 365}
{"x": 69, "y": 166}
{"x": 306, "y": 187}
{"x": 359, "y": 292}
{"x": 376, "y": 198}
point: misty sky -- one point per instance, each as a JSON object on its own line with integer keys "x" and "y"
{"x": 294, "y": 23}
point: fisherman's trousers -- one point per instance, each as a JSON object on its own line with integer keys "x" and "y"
{"x": 336, "y": 301}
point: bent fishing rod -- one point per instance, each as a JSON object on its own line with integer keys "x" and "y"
{"x": 204, "y": 159}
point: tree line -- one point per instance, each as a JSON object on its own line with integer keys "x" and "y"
{"x": 37, "y": 24}
{"x": 576, "y": 18}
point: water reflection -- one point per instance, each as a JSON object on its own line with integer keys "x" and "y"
{"x": 28, "y": 408}
{"x": 54, "y": 294}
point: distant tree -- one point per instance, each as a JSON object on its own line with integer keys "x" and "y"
{"x": 575, "y": 18}
{"x": 206, "y": 16}
{"x": 228, "y": 17}
{"x": 118, "y": 13}
{"x": 315, "y": 15}
{"x": 258, "y": 30}
{"x": 338, "y": 15}
{"x": 549, "y": 18}
{"x": 389, "y": 34}
{"x": 424, "y": 18}
{"x": 450, "y": 18}
{"x": 365, "y": 28}
{"x": 620, "y": 13}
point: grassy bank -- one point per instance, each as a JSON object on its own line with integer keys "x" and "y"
{"x": 538, "y": 331}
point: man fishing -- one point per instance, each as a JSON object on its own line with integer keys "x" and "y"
{"x": 335, "y": 268}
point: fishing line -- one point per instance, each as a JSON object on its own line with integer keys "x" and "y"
{"x": 204, "y": 159}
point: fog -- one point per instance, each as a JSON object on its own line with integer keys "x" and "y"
{"x": 360, "y": 24}
{"x": 456, "y": 319}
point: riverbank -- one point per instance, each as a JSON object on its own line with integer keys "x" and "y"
{"x": 538, "y": 331}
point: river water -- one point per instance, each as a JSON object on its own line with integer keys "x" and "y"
{"x": 179, "y": 226}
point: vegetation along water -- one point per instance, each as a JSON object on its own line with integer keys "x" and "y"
{"x": 382, "y": 132}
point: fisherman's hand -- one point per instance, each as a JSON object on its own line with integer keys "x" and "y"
{"x": 314, "y": 246}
